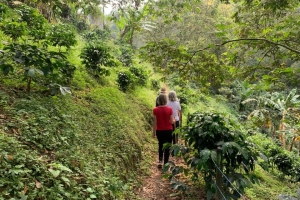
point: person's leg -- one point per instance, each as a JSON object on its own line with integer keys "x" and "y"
{"x": 160, "y": 138}
{"x": 176, "y": 135}
{"x": 173, "y": 135}
{"x": 167, "y": 139}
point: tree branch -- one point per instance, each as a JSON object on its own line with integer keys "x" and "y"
{"x": 250, "y": 39}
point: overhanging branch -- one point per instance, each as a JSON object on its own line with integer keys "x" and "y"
{"x": 250, "y": 39}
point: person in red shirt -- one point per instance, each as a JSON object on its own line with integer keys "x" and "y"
{"x": 162, "y": 127}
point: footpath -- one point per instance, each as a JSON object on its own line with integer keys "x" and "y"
{"x": 155, "y": 187}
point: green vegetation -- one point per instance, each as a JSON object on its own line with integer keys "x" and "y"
{"x": 77, "y": 144}
{"x": 77, "y": 89}
{"x": 213, "y": 142}
{"x": 269, "y": 186}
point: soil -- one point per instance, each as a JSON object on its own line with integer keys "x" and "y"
{"x": 156, "y": 187}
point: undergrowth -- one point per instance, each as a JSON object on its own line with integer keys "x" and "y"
{"x": 83, "y": 146}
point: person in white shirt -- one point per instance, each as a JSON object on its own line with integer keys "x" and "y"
{"x": 176, "y": 108}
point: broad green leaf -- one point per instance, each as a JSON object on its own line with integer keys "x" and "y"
{"x": 55, "y": 173}
{"x": 204, "y": 154}
{"x": 31, "y": 72}
{"x": 90, "y": 190}
{"x": 213, "y": 155}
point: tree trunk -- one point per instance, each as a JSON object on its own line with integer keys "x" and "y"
{"x": 292, "y": 144}
{"x": 28, "y": 84}
{"x": 126, "y": 29}
{"x": 103, "y": 22}
{"x": 282, "y": 128}
{"x": 131, "y": 36}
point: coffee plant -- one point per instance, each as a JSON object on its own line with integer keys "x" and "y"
{"x": 126, "y": 54}
{"x": 3, "y": 11}
{"x": 154, "y": 84}
{"x": 214, "y": 143}
{"x": 14, "y": 30}
{"x": 62, "y": 35}
{"x": 288, "y": 163}
{"x": 140, "y": 74}
{"x": 34, "y": 59}
{"x": 125, "y": 80}
{"x": 36, "y": 23}
{"x": 96, "y": 35}
{"x": 96, "y": 57}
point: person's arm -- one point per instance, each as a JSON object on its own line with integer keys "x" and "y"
{"x": 154, "y": 126}
{"x": 172, "y": 119}
{"x": 180, "y": 115}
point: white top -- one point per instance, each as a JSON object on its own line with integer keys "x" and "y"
{"x": 175, "y": 105}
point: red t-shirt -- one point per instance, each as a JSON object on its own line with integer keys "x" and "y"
{"x": 163, "y": 114}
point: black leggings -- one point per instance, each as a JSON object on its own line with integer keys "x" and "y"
{"x": 175, "y": 136}
{"x": 164, "y": 137}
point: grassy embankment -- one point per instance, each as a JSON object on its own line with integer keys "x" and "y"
{"x": 90, "y": 144}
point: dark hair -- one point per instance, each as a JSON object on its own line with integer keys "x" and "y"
{"x": 162, "y": 99}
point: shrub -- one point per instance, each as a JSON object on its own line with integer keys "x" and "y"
{"x": 154, "y": 84}
{"x": 126, "y": 55}
{"x": 62, "y": 35}
{"x": 286, "y": 162}
{"x": 125, "y": 80}
{"x": 140, "y": 74}
{"x": 14, "y": 29}
{"x": 3, "y": 11}
{"x": 36, "y": 23}
{"x": 95, "y": 57}
{"x": 211, "y": 138}
{"x": 96, "y": 35}
{"x": 102, "y": 34}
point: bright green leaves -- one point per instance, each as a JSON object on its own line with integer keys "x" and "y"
{"x": 174, "y": 11}
{"x": 32, "y": 56}
{"x": 198, "y": 67}
{"x": 34, "y": 61}
{"x": 14, "y": 29}
{"x": 130, "y": 79}
{"x": 55, "y": 173}
{"x": 62, "y": 35}
{"x": 275, "y": 21}
{"x": 58, "y": 168}
{"x": 23, "y": 21}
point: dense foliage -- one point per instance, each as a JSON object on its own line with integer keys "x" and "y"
{"x": 212, "y": 144}
{"x": 62, "y": 147}
{"x": 132, "y": 78}
{"x": 245, "y": 52}
{"x": 95, "y": 57}
{"x": 29, "y": 52}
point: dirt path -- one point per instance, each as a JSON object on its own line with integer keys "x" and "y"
{"x": 155, "y": 187}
